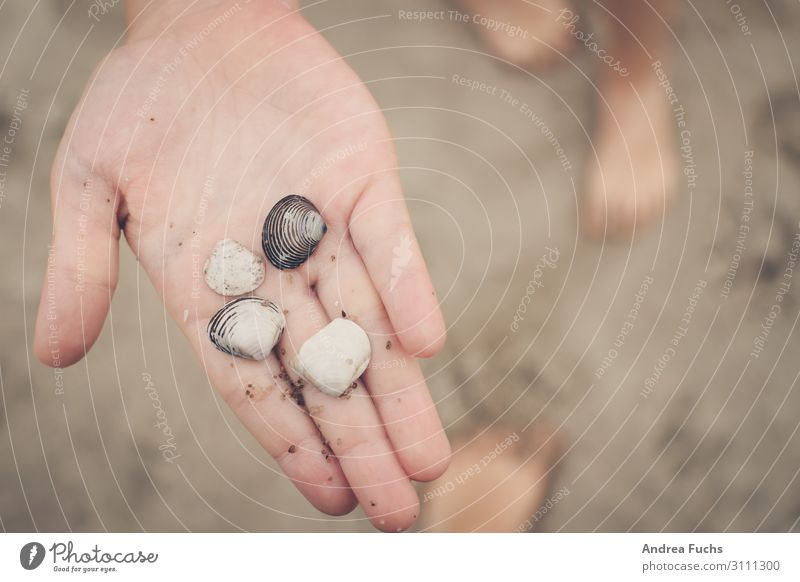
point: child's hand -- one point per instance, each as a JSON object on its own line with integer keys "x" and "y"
{"x": 188, "y": 135}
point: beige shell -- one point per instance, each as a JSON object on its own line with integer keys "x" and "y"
{"x": 232, "y": 269}
{"x": 334, "y": 357}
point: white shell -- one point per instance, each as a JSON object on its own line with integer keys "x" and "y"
{"x": 231, "y": 269}
{"x": 248, "y": 327}
{"x": 334, "y": 357}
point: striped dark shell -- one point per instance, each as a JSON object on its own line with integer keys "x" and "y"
{"x": 292, "y": 231}
{"x": 247, "y": 327}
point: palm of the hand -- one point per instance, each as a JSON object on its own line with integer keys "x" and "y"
{"x": 198, "y": 139}
{"x": 213, "y": 145}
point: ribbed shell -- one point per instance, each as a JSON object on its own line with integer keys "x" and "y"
{"x": 292, "y": 230}
{"x": 248, "y": 327}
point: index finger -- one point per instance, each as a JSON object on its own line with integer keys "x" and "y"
{"x": 384, "y": 238}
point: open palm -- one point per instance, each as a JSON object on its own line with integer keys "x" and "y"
{"x": 188, "y": 135}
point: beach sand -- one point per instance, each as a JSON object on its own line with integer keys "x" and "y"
{"x": 674, "y": 424}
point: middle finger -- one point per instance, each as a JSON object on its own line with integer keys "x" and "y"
{"x": 350, "y": 426}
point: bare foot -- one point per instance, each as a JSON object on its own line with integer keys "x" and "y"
{"x": 494, "y": 483}
{"x": 634, "y": 175}
{"x": 532, "y": 32}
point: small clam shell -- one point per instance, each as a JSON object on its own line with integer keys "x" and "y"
{"x": 292, "y": 230}
{"x": 248, "y": 327}
{"x": 231, "y": 269}
{"x": 334, "y": 357}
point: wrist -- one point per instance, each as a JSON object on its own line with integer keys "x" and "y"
{"x": 152, "y": 17}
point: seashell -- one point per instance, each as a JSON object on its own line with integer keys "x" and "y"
{"x": 334, "y": 357}
{"x": 247, "y": 327}
{"x": 292, "y": 230}
{"x": 231, "y": 269}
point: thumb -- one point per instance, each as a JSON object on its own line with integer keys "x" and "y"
{"x": 82, "y": 265}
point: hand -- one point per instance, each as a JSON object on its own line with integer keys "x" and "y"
{"x": 188, "y": 134}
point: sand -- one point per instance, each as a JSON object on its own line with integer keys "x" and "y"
{"x": 675, "y": 424}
